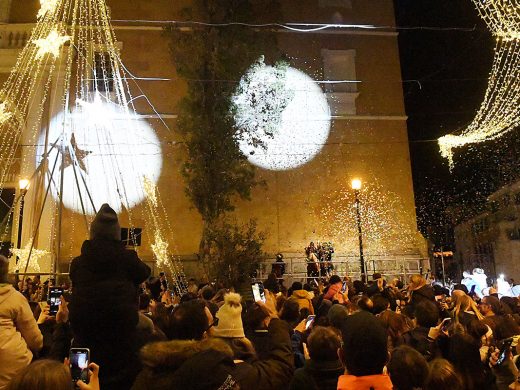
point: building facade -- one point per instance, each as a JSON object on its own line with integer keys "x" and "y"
{"x": 491, "y": 240}
{"x": 313, "y": 202}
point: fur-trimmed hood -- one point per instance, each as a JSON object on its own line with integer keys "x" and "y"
{"x": 172, "y": 354}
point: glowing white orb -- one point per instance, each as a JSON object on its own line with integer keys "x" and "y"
{"x": 291, "y": 137}
{"x": 113, "y": 152}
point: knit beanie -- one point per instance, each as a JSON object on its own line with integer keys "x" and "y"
{"x": 4, "y": 269}
{"x": 105, "y": 225}
{"x": 230, "y": 318}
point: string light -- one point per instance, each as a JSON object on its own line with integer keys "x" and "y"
{"x": 51, "y": 44}
{"x": 499, "y": 112}
{"x": 23, "y": 255}
{"x": 93, "y": 77}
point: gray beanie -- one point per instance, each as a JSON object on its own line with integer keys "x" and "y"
{"x": 105, "y": 225}
{"x": 4, "y": 269}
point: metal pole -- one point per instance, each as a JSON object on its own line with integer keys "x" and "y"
{"x": 20, "y": 218}
{"x": 442, "y": 263}
{"x": 360, "y": 234}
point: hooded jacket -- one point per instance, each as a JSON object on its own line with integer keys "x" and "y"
{"x": 161, "y": 360}
{"x": 104, "y": 308}
{"x": 105, "y": 280}
{"x": 19, "y": 334}
{"x": 303, "y": 299}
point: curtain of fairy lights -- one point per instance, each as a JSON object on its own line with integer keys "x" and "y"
{"x": 75, "y": 39}
{"x": 499, "y": 112}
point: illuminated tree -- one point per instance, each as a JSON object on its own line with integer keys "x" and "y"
{"x": 211, "y": 59}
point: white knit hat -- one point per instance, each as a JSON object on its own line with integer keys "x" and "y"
{"x": 230, "y": 318}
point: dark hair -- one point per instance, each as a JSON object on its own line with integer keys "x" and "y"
{"x": 189, "y": 296}
{"x": 461, "y": 287}
{"x": 465, "y": 355}
{"x": 443, "y": 376}
{"x": 395, "y": 325}
{"x": 323, "y": 344}
{"x": 380, "y": 303}
{"x": 426, "y": 314}
{"x": 365, "y": 303}
{"x": 144, "y": 301}
{"x": 42, "y": 374}
{"x": 365, "y": 349}
{"x": 359, "y": 286}
{"x": 334, "y": 279}
{"x": 494, "y": 303}
{"x": 511, "y": 304}
{"x": 296, "y": 286}
{"x": 408, "y": 369}
{"x": 254, "y": 316}
{"x": 207, "y": 292}
{"x": 290, "y": 311}
{"x": 188, "y": 321}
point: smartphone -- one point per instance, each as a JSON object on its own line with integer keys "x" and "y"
{"x": 310, "y": 321}
{"x": 258, "y": 291}
{"x": 54, "y": 299}
{"x": 445, "y": 324}
{"x": 504, "y": 350}
{"x": 79, "y": 360}
{"x": 344, "y": 287}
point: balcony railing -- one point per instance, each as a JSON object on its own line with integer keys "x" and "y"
{"x": 14, "y": 36}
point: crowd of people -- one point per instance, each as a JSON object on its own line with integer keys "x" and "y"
{"x": 338, "y": 334}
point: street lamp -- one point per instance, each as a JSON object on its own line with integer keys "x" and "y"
{"x": 356, "y": 186}
{"x": 23, "y": 184}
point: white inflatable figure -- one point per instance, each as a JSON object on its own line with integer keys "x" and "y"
{"x": 480, "y": 278}
{"x": 503, "y": 287}
{"x": 467, "y": 280}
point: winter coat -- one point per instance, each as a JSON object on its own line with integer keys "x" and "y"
{"x": 105, "y": 280}
{"x": 425, "y": 293}
{"x": 19, "y": 334}
{"x": 369, "y": 382}
{"x": 303, "y": 299}
{"x": 317, "y": 376}
{"x": 161, "y": 360}
{"x": 103, "y": 308}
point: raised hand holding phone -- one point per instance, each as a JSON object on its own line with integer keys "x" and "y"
{"x": 93, "y": 370}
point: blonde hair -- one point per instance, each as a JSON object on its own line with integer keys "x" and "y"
{"x": 417, "y": 281}
{"x": 43, "y": 374}
{"x": 465, "y": 303}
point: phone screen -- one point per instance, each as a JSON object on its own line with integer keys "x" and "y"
{"x": 344, "y": 287}
{"x": 310, "y": 321}
{"x": 504, "y": 350}
{"x": 54, "y": 301}
{"x": 79, "y": 361}
{"x": 258, "y": 292}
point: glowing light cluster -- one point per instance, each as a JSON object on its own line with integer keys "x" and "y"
{"x": 157, "y": 219}
{"x": 4, "y": 113}
{"x": 47, "y": 6}
{"x": 386, "y": 225}
{"x": 23, "y": 255}
{"x": 51, "y": 44}
{"x": 283, "y": 117}
{"x": 96, "y": 148}
{"x": 499, "y": 112}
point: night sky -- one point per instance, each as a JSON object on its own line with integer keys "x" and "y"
{"x": 451, "y": 61}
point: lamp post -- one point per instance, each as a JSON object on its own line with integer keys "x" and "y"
{"x": 356, "y": 186}
{"x": 23, "y": 184}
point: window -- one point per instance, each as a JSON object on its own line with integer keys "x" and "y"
{"x": 336, "y": 4}
{"x": 131, "y": 236}
{"x": 103, "y": 78}
{"x": 340, "y": 66}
